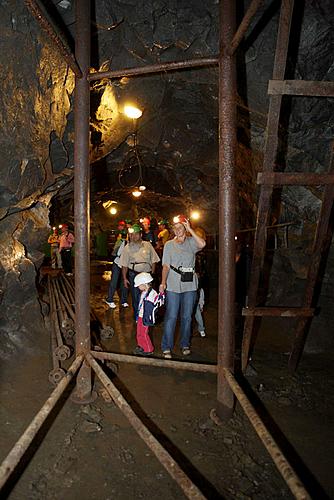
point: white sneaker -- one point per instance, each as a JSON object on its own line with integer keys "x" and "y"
{"x": 125, "y": 304}
{"x": 202, "y": 333}
{"x": 112, "y": 305}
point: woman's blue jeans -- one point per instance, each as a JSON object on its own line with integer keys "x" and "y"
{"x": 175, "y": 303}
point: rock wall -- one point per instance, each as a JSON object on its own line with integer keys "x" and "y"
{"x": 35, "y": 94}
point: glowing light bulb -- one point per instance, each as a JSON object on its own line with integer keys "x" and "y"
{"x": 195, "y": 215}
{"x": 136, "y": 193}
{"x": 113, "y": 211}
{"x": 142, "y": 188}
{"x": 132, "y": 112}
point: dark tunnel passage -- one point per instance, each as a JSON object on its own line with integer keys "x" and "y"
{"x": 166, "y": 272}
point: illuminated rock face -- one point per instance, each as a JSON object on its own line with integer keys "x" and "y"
{"x": 35, "y": 92}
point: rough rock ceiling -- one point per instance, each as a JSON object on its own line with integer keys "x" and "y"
{"x": 177, "y": 133}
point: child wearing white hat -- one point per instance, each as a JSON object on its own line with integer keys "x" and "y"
{"x": 149, "y": 302}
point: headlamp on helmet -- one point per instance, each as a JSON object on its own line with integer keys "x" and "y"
{"x": 180, "y": 219}
{"x": 135, "y": 228}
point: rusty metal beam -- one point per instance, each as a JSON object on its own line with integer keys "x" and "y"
{"x": 282, "y": 312}
{"x": 294, "y": 179}
{"x": 21, "y": 446}
{"x": 269, "y": 161}
{"x": 162, "y": 363}
{"x": 155, "y": 68}
{"x": 301, "y": 87}
{"x": 251, "y": 11}
{"x": 227, "y": 204}
{"x": 285, "y": 469}
{"x": 81, "y": 198}
{"x": 51, "y": 31}
{"x": 321, "y": 244}
{"x": 189, "y": 489}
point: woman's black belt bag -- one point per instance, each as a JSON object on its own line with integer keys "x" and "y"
{"x": 187, "y": 273}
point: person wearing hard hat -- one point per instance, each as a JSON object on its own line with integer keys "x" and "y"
{"x": 53, "y": 240}
{"x": 66, "y": 242}
{"x": 163, "y": 235}
{"x": 128, "y": 223}
{"x": 147, "y": 233}
{"x": 137, "y": 257}
{"x": 180, "y": 282}
{"x": 149, "y": 301}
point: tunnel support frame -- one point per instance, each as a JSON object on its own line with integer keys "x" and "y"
{"x": 83, "y": 392}
{"x": 227, "y": 385}
{"x": 227, "y": 210}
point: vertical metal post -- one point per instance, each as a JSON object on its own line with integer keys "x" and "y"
{"x": 227, "y": 207}
{"x": 83, "y": 389}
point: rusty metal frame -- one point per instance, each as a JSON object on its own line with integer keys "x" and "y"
{"x": 51, "y": 31}
{"x": 268, "y": 166}
{"x": 227, "y": 207}
{"x": 287, "y": 472}
{"x": 189, "y": 489}
{"x": 155, "y": 68}
{"x": 321, "y": 243}
{"x": 269, "y": 179}
{"x": 227, "y": 385}
{"x": 83, "y": 393}
{"x": 161, "y": 363}
{"x": 21, "y": 446}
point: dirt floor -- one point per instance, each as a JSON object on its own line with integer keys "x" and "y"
{"x": 92, "y": 452}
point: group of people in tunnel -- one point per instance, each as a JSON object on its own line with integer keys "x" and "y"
{"x": 142, "y": 261}
{"x": 61, "y": 248}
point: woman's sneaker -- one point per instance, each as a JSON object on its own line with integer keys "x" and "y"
{"x": 185, "y": 351}
{"x": 167, "y": 354}
{"x": 125, "y": 304}
{"x": 112, "y": 305}
{"x": 202, "y": 333}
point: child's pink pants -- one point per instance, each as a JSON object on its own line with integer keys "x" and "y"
{"x": 143, "y": 339}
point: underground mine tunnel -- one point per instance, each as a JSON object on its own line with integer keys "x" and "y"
{"x": 153, "y": 127}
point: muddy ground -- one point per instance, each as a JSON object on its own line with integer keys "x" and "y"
{"x": 92, "y": 452}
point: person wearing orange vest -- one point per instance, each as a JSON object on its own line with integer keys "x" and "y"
{"x": 54, "y": 249}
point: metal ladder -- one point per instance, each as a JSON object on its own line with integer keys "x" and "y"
{"x": 268, "y": 179}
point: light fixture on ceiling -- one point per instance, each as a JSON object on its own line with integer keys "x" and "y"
{"x": 130, "y": 176}
{"x": 195, "y": 215}
{"x": 136, "y": 193}
{"x": 132, "y": 112}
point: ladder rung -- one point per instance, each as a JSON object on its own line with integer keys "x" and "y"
{"x": 294, "y": 179}
{"x": 301, "y": 87}
{"x": 283, "y": 312}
